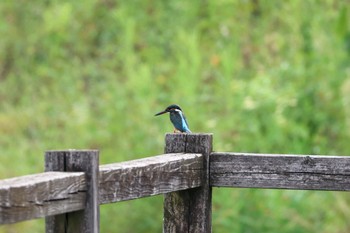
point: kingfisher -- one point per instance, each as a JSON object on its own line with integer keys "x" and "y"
{"x": 177, "y": 117}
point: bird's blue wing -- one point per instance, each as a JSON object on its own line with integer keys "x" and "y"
{"x": 179, "y": 121}
{"x": 185, "y": 126}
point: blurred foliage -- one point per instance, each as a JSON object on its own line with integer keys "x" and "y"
{"x": 263, "y": 76}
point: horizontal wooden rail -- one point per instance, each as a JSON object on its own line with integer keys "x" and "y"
{"x": 39, "y": 195}
{"x": 52, "y": 193}
{"x": 150, "y": 176}
{"x": 280, "y": 171}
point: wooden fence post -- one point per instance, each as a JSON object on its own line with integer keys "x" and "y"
{"x": 189, "y": 210}
{"x": 82, "y": 221}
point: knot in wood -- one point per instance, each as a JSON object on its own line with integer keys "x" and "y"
{"x": 308, "y": 161}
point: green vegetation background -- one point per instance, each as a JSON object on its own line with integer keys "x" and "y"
{"x": 262, "y": 75}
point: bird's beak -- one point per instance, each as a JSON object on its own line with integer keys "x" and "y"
{"x": 160, "y": 113}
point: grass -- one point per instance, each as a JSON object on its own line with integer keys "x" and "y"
{"x": 263, "y": 76}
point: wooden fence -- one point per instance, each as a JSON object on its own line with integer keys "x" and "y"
{"x": 73, "y": 186}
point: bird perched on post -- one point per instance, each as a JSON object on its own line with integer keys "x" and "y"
{"x": 177, "y": 117}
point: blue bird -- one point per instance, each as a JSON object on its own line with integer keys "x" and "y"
{"x": 177, "y": 117}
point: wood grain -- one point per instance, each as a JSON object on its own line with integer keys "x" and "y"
{"x": 305, "y": 172}
{"x": 189, "y": 210}
{"x": 52, "y": 193}
{"x": 150, "y": 176}
{"x": 87, "y": 219}
{"x": 40, "y": 195}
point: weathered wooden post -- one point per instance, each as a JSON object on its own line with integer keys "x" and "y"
{"x": 189, "y": 210}
{"x": 82, "y": 221}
